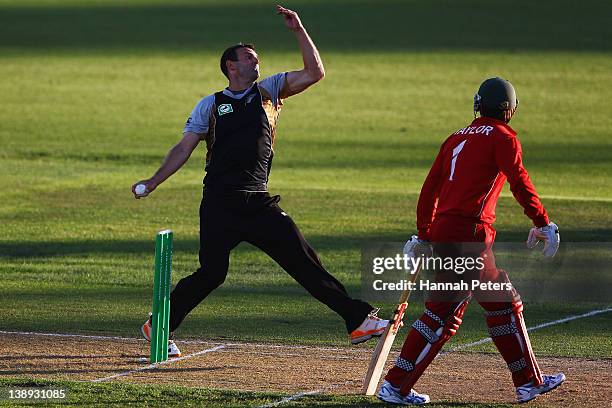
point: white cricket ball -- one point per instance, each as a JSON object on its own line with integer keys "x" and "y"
{"x": 140, "y": 189}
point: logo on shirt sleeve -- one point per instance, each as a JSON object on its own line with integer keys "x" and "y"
{"x": 225, "y": 108}
{"x": 188, "y": 121}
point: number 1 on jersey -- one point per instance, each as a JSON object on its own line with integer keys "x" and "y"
{"x": 456, "y": 152}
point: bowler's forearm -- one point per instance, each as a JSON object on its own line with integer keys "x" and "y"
{"x": 174, "y": 160}
{"x": 312, "y": 60}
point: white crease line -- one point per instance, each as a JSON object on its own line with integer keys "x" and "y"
{"x": 291, "y": 398}
{"x": 537, "y": 327}
{"x": 303, "y": 394}
{"x": 155, "y": 365}
{"x": 464, "y": 346}
{"x": 135, "y": 339}
{"x": 570, "y": 318}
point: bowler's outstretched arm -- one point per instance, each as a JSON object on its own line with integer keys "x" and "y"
{"x": 313, "y": 71}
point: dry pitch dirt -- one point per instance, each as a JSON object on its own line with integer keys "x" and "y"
{"x": 466, "y": 377}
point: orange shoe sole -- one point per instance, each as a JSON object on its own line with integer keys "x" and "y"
{"x": 361, "y": 336}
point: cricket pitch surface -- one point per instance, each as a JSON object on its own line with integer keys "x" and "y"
{"x": 458, "y": 376}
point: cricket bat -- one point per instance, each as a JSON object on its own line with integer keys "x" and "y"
{"x": 383, "y": 347}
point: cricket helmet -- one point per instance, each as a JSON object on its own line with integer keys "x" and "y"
{"x": 494, "y": 97}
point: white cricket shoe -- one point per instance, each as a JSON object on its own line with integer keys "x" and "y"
{"x": 173, "y": 350}
{"x": 372, "y": 326}
{"x": 389, "y": 393}
{"x": 528, "y": 392}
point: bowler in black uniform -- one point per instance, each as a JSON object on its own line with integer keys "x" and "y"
{"x": 238, "y": 125}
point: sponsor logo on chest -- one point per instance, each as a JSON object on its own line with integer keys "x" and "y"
{"x": 224, "y": 109}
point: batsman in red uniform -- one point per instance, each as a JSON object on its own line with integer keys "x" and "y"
{"x": 457, "y": 206}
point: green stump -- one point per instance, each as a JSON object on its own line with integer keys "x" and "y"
{"x": 160, "y": 320}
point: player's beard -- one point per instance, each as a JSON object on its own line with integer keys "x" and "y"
{"x": 249, "y": 73}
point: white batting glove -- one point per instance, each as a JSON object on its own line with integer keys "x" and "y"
{"x": 549, "y": 234}
{"x": 415, "y": 247}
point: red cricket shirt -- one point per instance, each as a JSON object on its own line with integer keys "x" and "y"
{"x": 468, "y": 175}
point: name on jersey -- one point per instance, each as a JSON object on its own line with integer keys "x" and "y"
{"x": 472, "y": 130}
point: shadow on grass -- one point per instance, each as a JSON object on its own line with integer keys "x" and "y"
{"x": 30, "y": 249}
{"x": 358, "y": 154}
{"x": 345, "y": 26}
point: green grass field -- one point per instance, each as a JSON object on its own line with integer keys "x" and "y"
{"x": 94, "y": 93}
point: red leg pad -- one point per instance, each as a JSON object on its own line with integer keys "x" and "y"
{"x": 429, "y": 333}
{"x": 508, "y": 331}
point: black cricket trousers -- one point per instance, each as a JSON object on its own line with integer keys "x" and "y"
{"x": 228, "y": 218}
